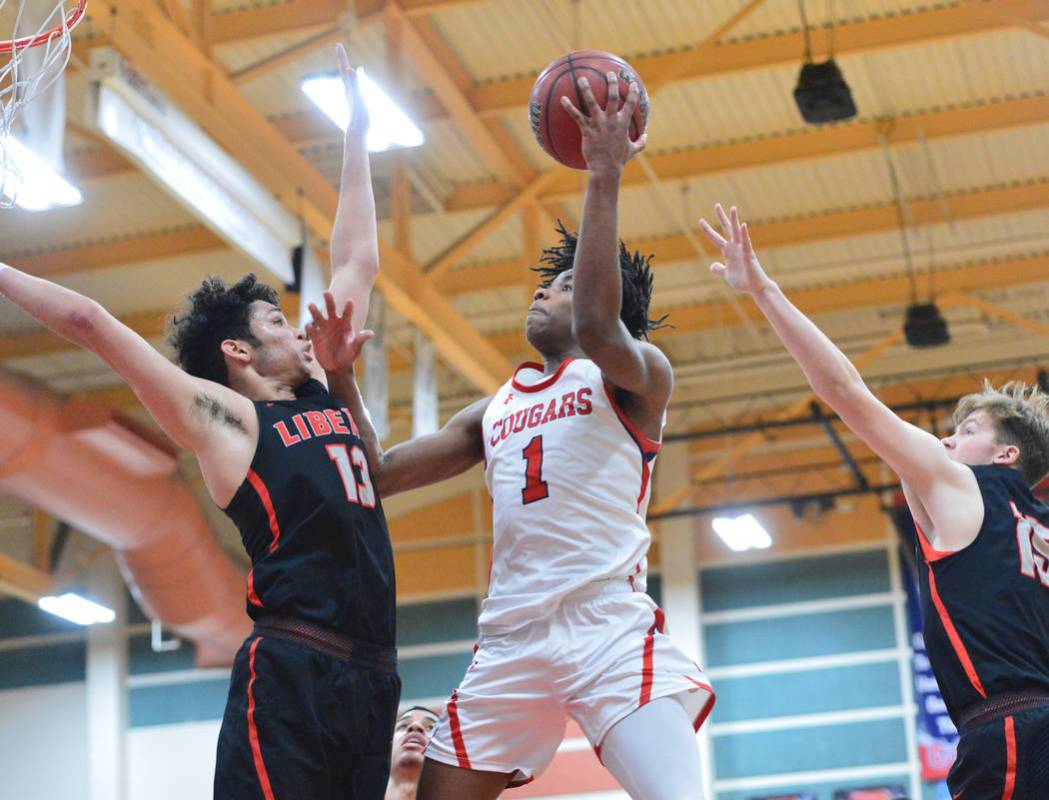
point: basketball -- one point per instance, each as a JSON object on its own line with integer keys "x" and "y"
{"x": 556, "y": 132}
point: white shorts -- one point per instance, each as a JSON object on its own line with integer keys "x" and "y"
{"x": 598, "y": 657}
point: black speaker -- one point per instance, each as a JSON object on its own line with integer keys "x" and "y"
{"x": 925, "y": 326}
{"x": 822, "y": 94}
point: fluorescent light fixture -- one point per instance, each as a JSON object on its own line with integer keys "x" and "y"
{"x": 390, "y": 126}
{"x": 742, "y": 532}
{"x": 187, "y": 163}
{"x": 32, "y": 183}
{"x": 76, "y": 609}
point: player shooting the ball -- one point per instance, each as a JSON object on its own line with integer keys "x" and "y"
{"x": 568, "y": 446}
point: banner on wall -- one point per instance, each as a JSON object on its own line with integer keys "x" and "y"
{"x": 937, "y": 736}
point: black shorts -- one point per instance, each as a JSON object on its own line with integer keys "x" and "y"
{"x": 302, "y": 724}
{"x": 1004, "y": 758}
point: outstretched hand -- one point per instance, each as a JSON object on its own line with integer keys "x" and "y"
{"x": 359, "y": 121}
{"x": 740, "y": 268}
{"x": 606, "y": 131}
{"x": 335, "y": 344}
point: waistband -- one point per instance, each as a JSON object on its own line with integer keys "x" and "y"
{"x": 325, "y": 640}
{"x": 605, "y": 586}
{"x": 1000, "y": 706}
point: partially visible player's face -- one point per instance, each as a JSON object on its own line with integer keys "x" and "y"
{"x": 548, "y": 324}
{"x": 974, "y": 442}
{"x": 411, "y": 736}
{"x": 283, "y": 350}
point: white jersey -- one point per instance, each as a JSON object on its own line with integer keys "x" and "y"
{"x": 569, "y": 476}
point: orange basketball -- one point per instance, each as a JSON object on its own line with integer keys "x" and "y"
{"x": 556, "y": 132}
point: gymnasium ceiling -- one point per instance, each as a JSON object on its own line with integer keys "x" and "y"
{"x": 954, "y": 94}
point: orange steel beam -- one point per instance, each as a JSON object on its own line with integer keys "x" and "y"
{"x": 803, "y": 144}
{"x": 202, "y": 90}
{"x": 724, "y": 58}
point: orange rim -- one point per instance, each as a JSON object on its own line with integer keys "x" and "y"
{"x": 42, "y": 38}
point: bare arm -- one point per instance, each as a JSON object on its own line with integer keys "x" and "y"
{"x": 634, "y": 366}
{"x": 354, "y": 237}
{"x": 918, "y": 457}
{"x": 421, "y": 461}
{"x": 418, "y": 462}
{"x": 190, "y": 410}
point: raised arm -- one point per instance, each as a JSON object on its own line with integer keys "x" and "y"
{"x": 190, "y": 410}
{"x": 636, "y": 367}
{"x": 918, "y": 457}
{"x": 418, "y": 462}
{"x": 354, "y": 237}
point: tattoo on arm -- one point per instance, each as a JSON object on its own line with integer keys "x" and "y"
{"x": 215, "y": 411}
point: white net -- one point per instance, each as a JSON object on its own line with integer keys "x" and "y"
{"x": 40, "y": 27}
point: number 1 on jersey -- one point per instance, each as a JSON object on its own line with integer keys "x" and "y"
{"x": 535, "y": 487}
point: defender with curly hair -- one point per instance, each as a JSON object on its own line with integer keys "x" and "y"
{"x": 284, "y": 460}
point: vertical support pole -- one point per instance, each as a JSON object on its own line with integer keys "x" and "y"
{"x": 682, "y": 601}
{"x": 41, "y": 524}
{"x": 106, "y": 684}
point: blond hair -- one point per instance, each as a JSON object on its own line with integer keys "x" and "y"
{"x": 1020, "y": 413}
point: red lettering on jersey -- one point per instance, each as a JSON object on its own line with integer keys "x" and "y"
{"x": 584, "y": 405}
{"x": 551, "y": 413}
{"x": 286, "y": 436}
{"x": 319, "y": 423}
{"x": 334, "y": 416}
{"x": 567, "y": 406}
{"x": 495, "y": 433}
{"x": 506, "y": 428}
{"x": 300, "y": 426}
{"x": 520, "y": 418}
{"x": 535, "y": 414}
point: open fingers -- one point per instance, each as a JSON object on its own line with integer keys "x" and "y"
{"x": 748, "y": 248}
{"x": 713, "y": 235}
{"x": 329, "y": 304}
{"x": 347, "y": 311}
{"x": 343, "y": 59}
{"x": 588, "y": 96}
{"x": 633, "y": 97}
{"x": 315, "y": 313}
{"x": 639, "y": 145}
{"x": 612, "y": 100}
{"x": 723, "y": 220}
{"x": 573, "y": 112}
{"x": 737, "y": 233}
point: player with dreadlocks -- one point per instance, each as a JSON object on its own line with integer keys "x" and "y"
{"x": 568, "y": 447}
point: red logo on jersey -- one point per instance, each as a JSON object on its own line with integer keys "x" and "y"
{"x": 316, "y": 423}
{"x": 568, "y": 405}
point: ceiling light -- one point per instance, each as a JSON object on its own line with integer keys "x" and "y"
{"x": 31, "y": 183}
{"x": 390, "y": 126}
{"x": 76, "y": 609}
{"x": 192, "y": 167}
{"x": 742, "y": 533}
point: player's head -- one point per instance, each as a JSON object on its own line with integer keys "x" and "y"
{"x": 227, "y": 330}
{"x": 410, "y": 736}
{"x": 548, "y": 325}
{"x": 1008, "y": 425}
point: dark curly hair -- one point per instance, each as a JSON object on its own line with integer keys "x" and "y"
{"x": 216, "y": 312}
{"x": 634, "y": 269}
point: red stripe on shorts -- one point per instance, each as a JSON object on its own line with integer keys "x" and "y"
{"x": 646, "y": 659}
{"x": 253, "y": 733}
{"x": 457, "y": 731}
{"x": 1010, "y": 759}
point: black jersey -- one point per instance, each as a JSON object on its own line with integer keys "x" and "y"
{"x": 985, "y": 608}
{"x": 312, "y": 523}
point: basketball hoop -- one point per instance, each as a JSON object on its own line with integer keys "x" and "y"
{"x": 19, "y": 85}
